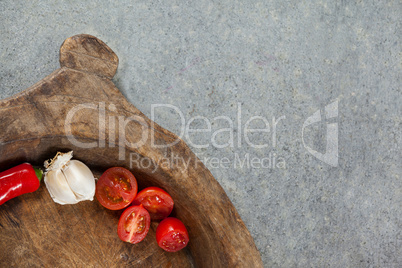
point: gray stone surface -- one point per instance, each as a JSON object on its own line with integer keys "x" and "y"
{"x": 274, "y": 58}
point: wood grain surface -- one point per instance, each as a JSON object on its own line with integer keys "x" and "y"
{"x": 77, "y": 107}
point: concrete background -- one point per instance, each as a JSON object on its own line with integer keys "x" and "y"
{"x": 274, "y": 58}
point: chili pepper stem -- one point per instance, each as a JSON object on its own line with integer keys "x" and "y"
{"x": 38, "y": 173}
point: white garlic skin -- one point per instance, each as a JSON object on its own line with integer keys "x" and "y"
{"x": 58, "y": 188}
{"x": 80, "y": 179}
{"x": 69, "y": 181}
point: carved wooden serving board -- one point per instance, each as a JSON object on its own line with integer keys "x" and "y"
{"x": 77, "y": 107}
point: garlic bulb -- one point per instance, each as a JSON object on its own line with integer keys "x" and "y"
{"x": 68, "y": 181}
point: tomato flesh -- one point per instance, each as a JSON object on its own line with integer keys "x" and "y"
{"x": 134, "y": 224}
{"x": 173, "y": 242}
{"x": 116, "y": 188}
{"x": 158, "y": 202}
{"x": 172, "y": 235}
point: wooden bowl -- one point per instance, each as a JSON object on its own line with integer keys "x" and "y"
{"x": 77, "y": 107}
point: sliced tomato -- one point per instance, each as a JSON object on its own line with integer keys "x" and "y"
{"x": 134, "y": 224}
{"x": 116, "y": 188}
{"x": 172, "y": 235}
{"x": 158, "y": 202}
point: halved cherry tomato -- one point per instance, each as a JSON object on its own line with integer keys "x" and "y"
{"x": 158, "y": 202}
{"x": 134, "y": 224}
{"x": 116, "y": 188}
{"x": 172, "y": 235}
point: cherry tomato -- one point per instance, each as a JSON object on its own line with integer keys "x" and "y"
{"x": 134, "y": 224}
{"x": 116, "y": 188}
{"x": 158, "y": 202}
{"x": 172, "y": 235}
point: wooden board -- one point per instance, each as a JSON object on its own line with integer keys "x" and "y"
{"x": 78, "y": 108}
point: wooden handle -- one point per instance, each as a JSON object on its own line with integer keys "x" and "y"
{"x": 89, "y": 54}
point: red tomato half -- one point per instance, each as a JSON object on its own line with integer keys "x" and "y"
{"x": 171, "y": 235}
{"x": 134, "y": 224}
{"x": 116, "y": 188}
{"x": 158, "y": 202}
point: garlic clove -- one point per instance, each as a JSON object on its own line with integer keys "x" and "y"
{"x": 58, "y": 188}
{"x": 80, "y": 179}
{"x": 69, "y": 181}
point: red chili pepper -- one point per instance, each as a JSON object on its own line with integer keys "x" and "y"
{"x": 19, "y": 180}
